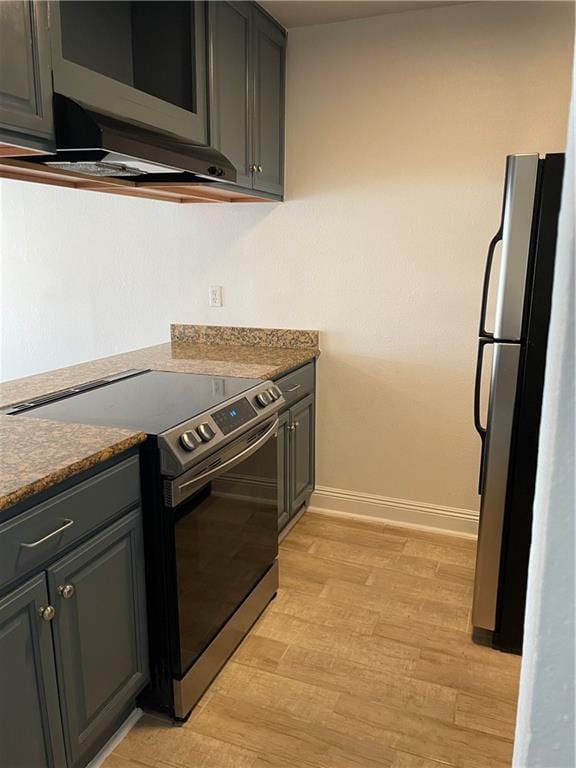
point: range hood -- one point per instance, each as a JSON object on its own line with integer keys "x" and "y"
{"x": 101, "y": 145}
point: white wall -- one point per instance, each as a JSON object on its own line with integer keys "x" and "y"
{"x": 545, "y": 727}
{"x": 397, "y": 131}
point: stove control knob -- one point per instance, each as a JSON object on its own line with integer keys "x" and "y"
{"x": 263, "y": 399}
{"x": 274, "y": 394}
{"x": 206, "y": 432}
{"x": 188, "y": 441}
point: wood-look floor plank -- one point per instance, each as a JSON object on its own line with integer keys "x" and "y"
{"x": 159, "y": 742}
{"x": 274, "y": 761}
{"x": 373, "y": 598}
{"x": 297, "y": 541}
{"x": 453, "y": 572}
{"x": 304, "y": 572}
{"x": 445, "y": 640}
{"x": 452, "y": 554}
{"x": 271, "y": 732}
{"x": 466, "y": 675}
{"x": 345, "y": 675}
{"x": 260, "y": 652}
{"x": 266, "y": 689}
{"x": 406, "y": 760}
{"x": 430, "y": 588}
{"x": 486, "y": 714}
{"x": 419, "y": 735}
{"x": 325, "y": 612}
{"x": 117, "y": 761}
{"x": 357, "y": 554}
{"x": 364, "y": 660}
{"x": 352, "y": 532}
{"x": 368, "y": 650}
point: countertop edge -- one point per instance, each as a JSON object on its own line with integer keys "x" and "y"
{"x": 304, "y": 356}
{"x": 70, "y": 470}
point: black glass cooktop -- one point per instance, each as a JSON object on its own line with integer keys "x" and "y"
{"x": 151, "y": 402}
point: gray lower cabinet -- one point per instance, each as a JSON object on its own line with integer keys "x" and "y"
{"x": 73, "y": 635}
{"x": 25, "y": 75}
{"x": 296, "y": 442}
{"x": 99, "y": 633}
{"x": 283, "y": 469}
{"x": 30, "y": 724}
{"x": 247, "y": 52}
{"x": 302, "y": 452}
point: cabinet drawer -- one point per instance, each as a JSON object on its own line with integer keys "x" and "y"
{"x": 297, "y": 384}
{"x": 31, "y": 539}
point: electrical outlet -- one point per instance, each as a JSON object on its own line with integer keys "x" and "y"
{"x": 215, "y": 296}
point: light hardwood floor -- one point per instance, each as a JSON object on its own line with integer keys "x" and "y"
{"x": 363, "y": 660}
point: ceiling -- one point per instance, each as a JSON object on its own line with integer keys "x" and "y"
{"x": 304, "y": 13}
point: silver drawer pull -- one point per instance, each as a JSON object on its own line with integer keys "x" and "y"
{"x": 67, "y": 524}
{"x": 294, "y": 388}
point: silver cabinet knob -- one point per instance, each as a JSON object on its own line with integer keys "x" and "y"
{"x": 66, "y": 591}
{"x": 47, "y": 612}
{"x": 259, "y": 168}
{"x": 252, "y": 168}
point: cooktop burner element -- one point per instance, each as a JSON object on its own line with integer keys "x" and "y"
{"x": 151, "y": 401}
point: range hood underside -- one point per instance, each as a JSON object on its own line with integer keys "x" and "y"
{"x": 15, "y": 164}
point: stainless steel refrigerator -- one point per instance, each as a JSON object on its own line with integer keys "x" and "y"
{"x": 513, "y": 336}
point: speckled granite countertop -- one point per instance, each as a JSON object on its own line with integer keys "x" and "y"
{"x": 35, "y": 454}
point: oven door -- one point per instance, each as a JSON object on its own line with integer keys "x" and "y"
{"x": 226, "y": 536}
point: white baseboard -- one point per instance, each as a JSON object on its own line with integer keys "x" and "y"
{"x": 120, "y": 734}
{"x": 413, "y": 514}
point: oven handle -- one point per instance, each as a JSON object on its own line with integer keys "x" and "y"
{"x": 252, "y": 448}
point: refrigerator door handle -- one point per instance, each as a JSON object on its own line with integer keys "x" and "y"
{"x": 486, "y": 285}
{"x": 478, "y": 386}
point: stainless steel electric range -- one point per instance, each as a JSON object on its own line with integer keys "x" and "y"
{"x": 210, "y": 509}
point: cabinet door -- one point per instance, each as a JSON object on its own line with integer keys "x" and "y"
{"x": 231, "y": 87}
{"x": 99, "y": 634}
{"x": 25, "y": 78}
{"x": 283, "y": 470}
{"x": 269, "y": 46}
{"x": 302, "y": 452}
{"x": 30, "y": 726}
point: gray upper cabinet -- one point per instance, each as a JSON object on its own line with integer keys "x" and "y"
{"x": 247, "y": 51}
{"x": 99, "y": 634}
{"x": 231, "y": 90}
{"x": 268, "y": 152}
{"x": 141, "y": 61}
{"x": 25, "y": 76}
{"x": 30, "y": 726}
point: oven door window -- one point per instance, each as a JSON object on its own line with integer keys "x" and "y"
{"x": 226, "y": 538}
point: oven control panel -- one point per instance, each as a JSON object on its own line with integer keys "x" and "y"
{"x": 185, "y": 445}
{"x": 234, "y": 415}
